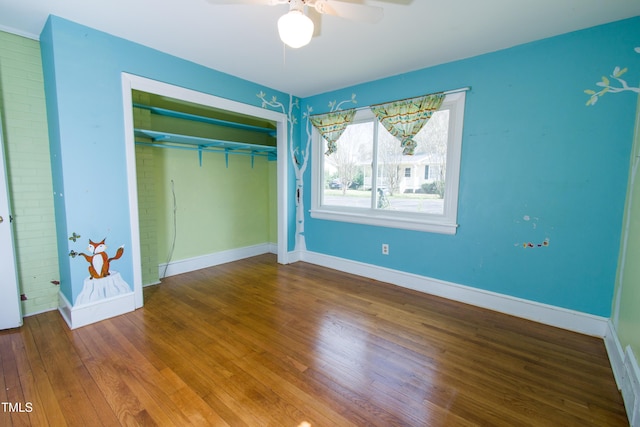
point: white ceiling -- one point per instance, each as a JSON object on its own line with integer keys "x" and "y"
{"x": 242, "y": 40}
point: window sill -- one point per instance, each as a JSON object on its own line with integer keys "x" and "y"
{"x": 386, "y": 220}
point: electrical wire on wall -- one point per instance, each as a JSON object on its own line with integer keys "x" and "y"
{"x": 175, "y": 229}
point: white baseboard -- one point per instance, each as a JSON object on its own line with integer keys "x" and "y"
{"x": 627, "y": 374}
{"x": 295, "y": 256}
{"x": 151, "y": 284}
{"x": 631, "y": 387}
{"x": 85, "y": 314}
{"x": 273, "y": 248}
{"x": 35, "y": 313}
{"x": 542, "y": 313}
{"x": 217, "y": 258}
{"x": 615, "y": 352}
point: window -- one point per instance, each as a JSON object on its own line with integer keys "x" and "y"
{"x": 368, "y": 180}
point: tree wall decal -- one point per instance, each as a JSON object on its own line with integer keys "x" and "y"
{"x": 607, "y": 87}
{"x": 299, "y": 155}
{"x": 299, "y": 158}
{"x": 606, "y": 84}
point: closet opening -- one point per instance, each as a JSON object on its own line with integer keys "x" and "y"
{"x": 207, "y": 180}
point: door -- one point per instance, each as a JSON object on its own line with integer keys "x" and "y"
{"x": 10, "y": 310}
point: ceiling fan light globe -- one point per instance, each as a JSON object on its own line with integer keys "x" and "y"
{"x": 295, "y": 29}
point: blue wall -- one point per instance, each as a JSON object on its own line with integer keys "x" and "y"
{"x": 531, "y": 148}
{"x": 82, "y": 70}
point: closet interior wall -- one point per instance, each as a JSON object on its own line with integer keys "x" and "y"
{"x": 222, "y": 203}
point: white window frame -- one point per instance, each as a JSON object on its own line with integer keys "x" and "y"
{"x": 445, "y": 223}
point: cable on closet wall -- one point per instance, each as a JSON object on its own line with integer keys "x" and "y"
{"x": 175, "y": 229}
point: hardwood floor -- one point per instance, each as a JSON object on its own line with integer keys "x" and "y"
{"x": 253, "y": 343}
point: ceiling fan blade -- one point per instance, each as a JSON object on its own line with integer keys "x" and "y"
{"x": 351, "y": 11}
{"x": 316, "y": 18}
{"x": 398, "y": 2}
{"x": 258, "y": 2}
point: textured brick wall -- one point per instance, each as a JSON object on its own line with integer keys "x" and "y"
{"x": 147, "y": 205}
{"x": 29, "y": 171}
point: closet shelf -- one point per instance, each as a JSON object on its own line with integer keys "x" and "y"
{"x": 197, "y": 118}
{"x": 195, "y": 143}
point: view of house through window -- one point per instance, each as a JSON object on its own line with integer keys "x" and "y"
{"x": 369, "y": 170}
{"x": 368, "y": 180}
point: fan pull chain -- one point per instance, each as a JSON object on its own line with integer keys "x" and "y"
{"x": 284, "y": 56}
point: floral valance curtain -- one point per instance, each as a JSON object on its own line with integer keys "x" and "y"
{"x": 331, "y": 125}
{"x": 404, "y": 119}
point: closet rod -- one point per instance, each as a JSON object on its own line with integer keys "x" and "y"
{"x": 197, "y": 141}
{"x": 208, "y": 149}
{"x": 446, "y": 92}
{"x": 271, "y": 156}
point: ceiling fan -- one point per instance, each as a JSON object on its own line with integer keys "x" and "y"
{"x": 296, "y": 28}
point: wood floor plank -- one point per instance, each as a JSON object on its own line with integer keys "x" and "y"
{"x": 254, "y": 343}
{"x": 182, "y": 393}
{"x": 13, "y": 392}
{"x": 217, "y": 387}
{"x": 32, "y": 387}
{"x": 78, "y": 395}
{"x": 161, "y": 389}
{"x": 35, "y": 385}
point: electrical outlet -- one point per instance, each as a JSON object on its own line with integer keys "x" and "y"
{"x": 385, "y": 249}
